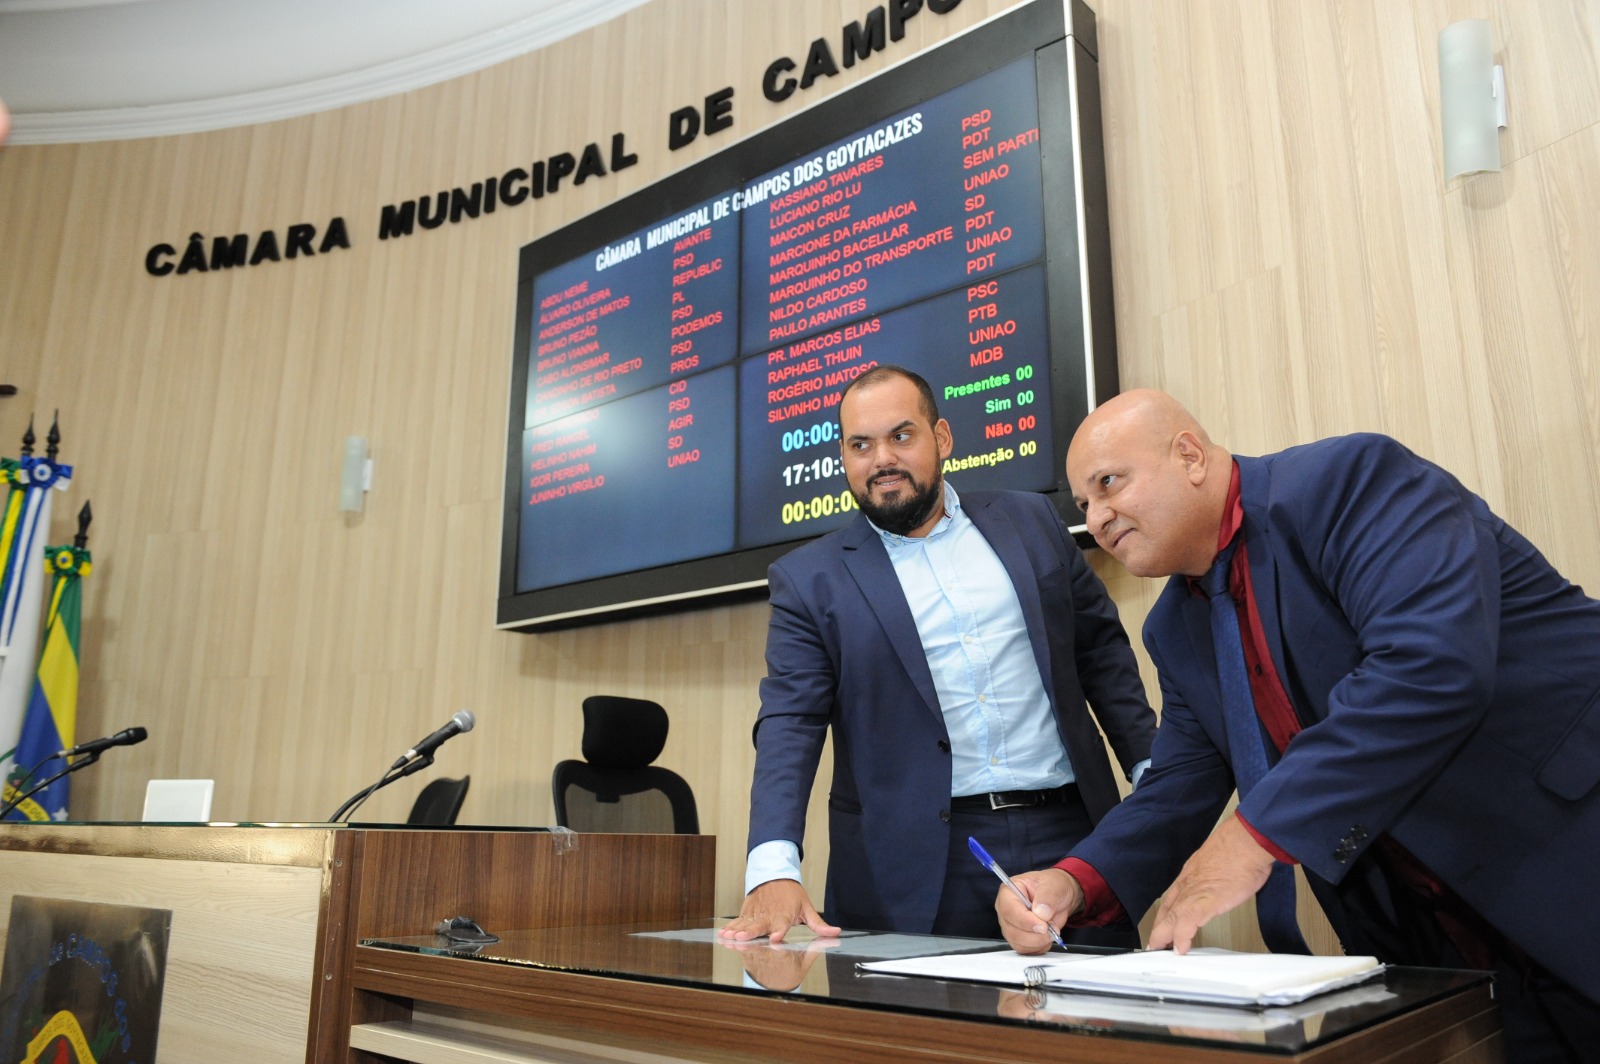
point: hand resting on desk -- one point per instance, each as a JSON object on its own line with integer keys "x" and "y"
{"x": 771, "y": 909}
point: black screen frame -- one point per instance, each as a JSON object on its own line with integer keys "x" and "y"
{"x": 1077, "y": 266}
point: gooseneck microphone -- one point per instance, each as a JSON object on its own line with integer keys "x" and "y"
{"x": 413, "y": 760}
{"x": 125, "y": 737}
{"x": 461, "y": 722}
{"x": 87, "y": 753}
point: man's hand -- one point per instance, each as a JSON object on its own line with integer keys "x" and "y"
{"x": 771, "y": 909}
{"x": 1055, "y": 897}
{"x": 1218, "y": 878}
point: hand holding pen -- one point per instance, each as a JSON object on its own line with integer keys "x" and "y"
{"x": 992, "y": 865}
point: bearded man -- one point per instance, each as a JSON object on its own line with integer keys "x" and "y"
{"x": 951, "y": 643}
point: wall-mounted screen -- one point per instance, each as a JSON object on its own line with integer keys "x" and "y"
{"x": 680, "y": 354}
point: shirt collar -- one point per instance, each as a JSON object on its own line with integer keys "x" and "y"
{"x": 1232, "y": 510}
{"x": 1232, "y": 520}
{"x": 952, "y": 507}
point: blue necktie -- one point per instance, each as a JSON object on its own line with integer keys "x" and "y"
{"x": 1248, "y": 751}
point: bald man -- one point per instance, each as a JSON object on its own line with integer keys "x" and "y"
{"x": 1403, "y": 690}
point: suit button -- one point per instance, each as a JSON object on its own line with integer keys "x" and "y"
{"x": 944, "y": 814}
{"x": 944, "y": 744}
{"x": 1358, "y": 833}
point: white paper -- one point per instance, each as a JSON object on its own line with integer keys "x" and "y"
{"x": 849, "y": 943}
{"x": 1004, "y": 967}
{"x": 797, "y": 935}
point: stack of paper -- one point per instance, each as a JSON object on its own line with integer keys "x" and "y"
{"x": 1077, "y": 1006}
{"x": 1215, "y": 976}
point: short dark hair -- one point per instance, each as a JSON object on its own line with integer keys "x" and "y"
{"x": 879, "y": 374}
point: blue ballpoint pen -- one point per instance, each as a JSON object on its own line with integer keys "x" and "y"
{"x": 992, "y": 865}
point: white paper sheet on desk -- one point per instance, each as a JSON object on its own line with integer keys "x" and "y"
{"x": 1214, "y": 976}
{"x": 848, "y": 944}
{"x": 709, "y": 934}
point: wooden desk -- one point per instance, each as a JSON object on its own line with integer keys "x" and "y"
{"x": 263, "y": 963}
{"x": 606, "y": 993}
{"x": 405, "y": 882}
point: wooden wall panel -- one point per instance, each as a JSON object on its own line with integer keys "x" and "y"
{"x": 1288, "y": 261}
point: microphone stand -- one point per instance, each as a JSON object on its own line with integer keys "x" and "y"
{"x": 355, "y": 800}
{"x": 22, "y": 781}
{"x": 72, "y": 767}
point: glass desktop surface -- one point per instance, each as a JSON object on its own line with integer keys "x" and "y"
{"x": 824, "y": 971}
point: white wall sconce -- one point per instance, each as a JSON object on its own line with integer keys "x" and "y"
{"x": 1472, "y": 98}
{"x": 355, "y": 475}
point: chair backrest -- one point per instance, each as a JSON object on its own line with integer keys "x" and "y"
{"x": 178, "y": 801}
{"x": 438, "y": 803}
{"x": 616, "y": 788}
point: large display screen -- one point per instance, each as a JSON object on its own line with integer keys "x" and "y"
{"x": 680, "y": 355}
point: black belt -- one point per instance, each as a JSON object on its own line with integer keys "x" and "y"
{"x": 997, "y": 800}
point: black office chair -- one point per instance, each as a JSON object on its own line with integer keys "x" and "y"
{"x": 615, "y": 788}
{"x": 438, "y": 803}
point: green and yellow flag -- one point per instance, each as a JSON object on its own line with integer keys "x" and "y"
{"x": 50, "y": 723}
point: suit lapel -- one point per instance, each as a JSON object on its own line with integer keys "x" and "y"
{"x": 1003, "y": 538}
{"x": 868, "y": 564}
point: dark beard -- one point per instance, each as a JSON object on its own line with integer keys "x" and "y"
{"x": 908, "y": 514}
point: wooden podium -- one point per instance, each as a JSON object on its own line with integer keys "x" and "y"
{"x": 265, "y": 918}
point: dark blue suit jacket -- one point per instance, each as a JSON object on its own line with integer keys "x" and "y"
{"x": 843, "y": 652}
{"x": 1449, "y": 681}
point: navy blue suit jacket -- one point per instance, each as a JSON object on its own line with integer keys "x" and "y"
{"x": 843, "y": 652}
{"x": 1449, "y": 681}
